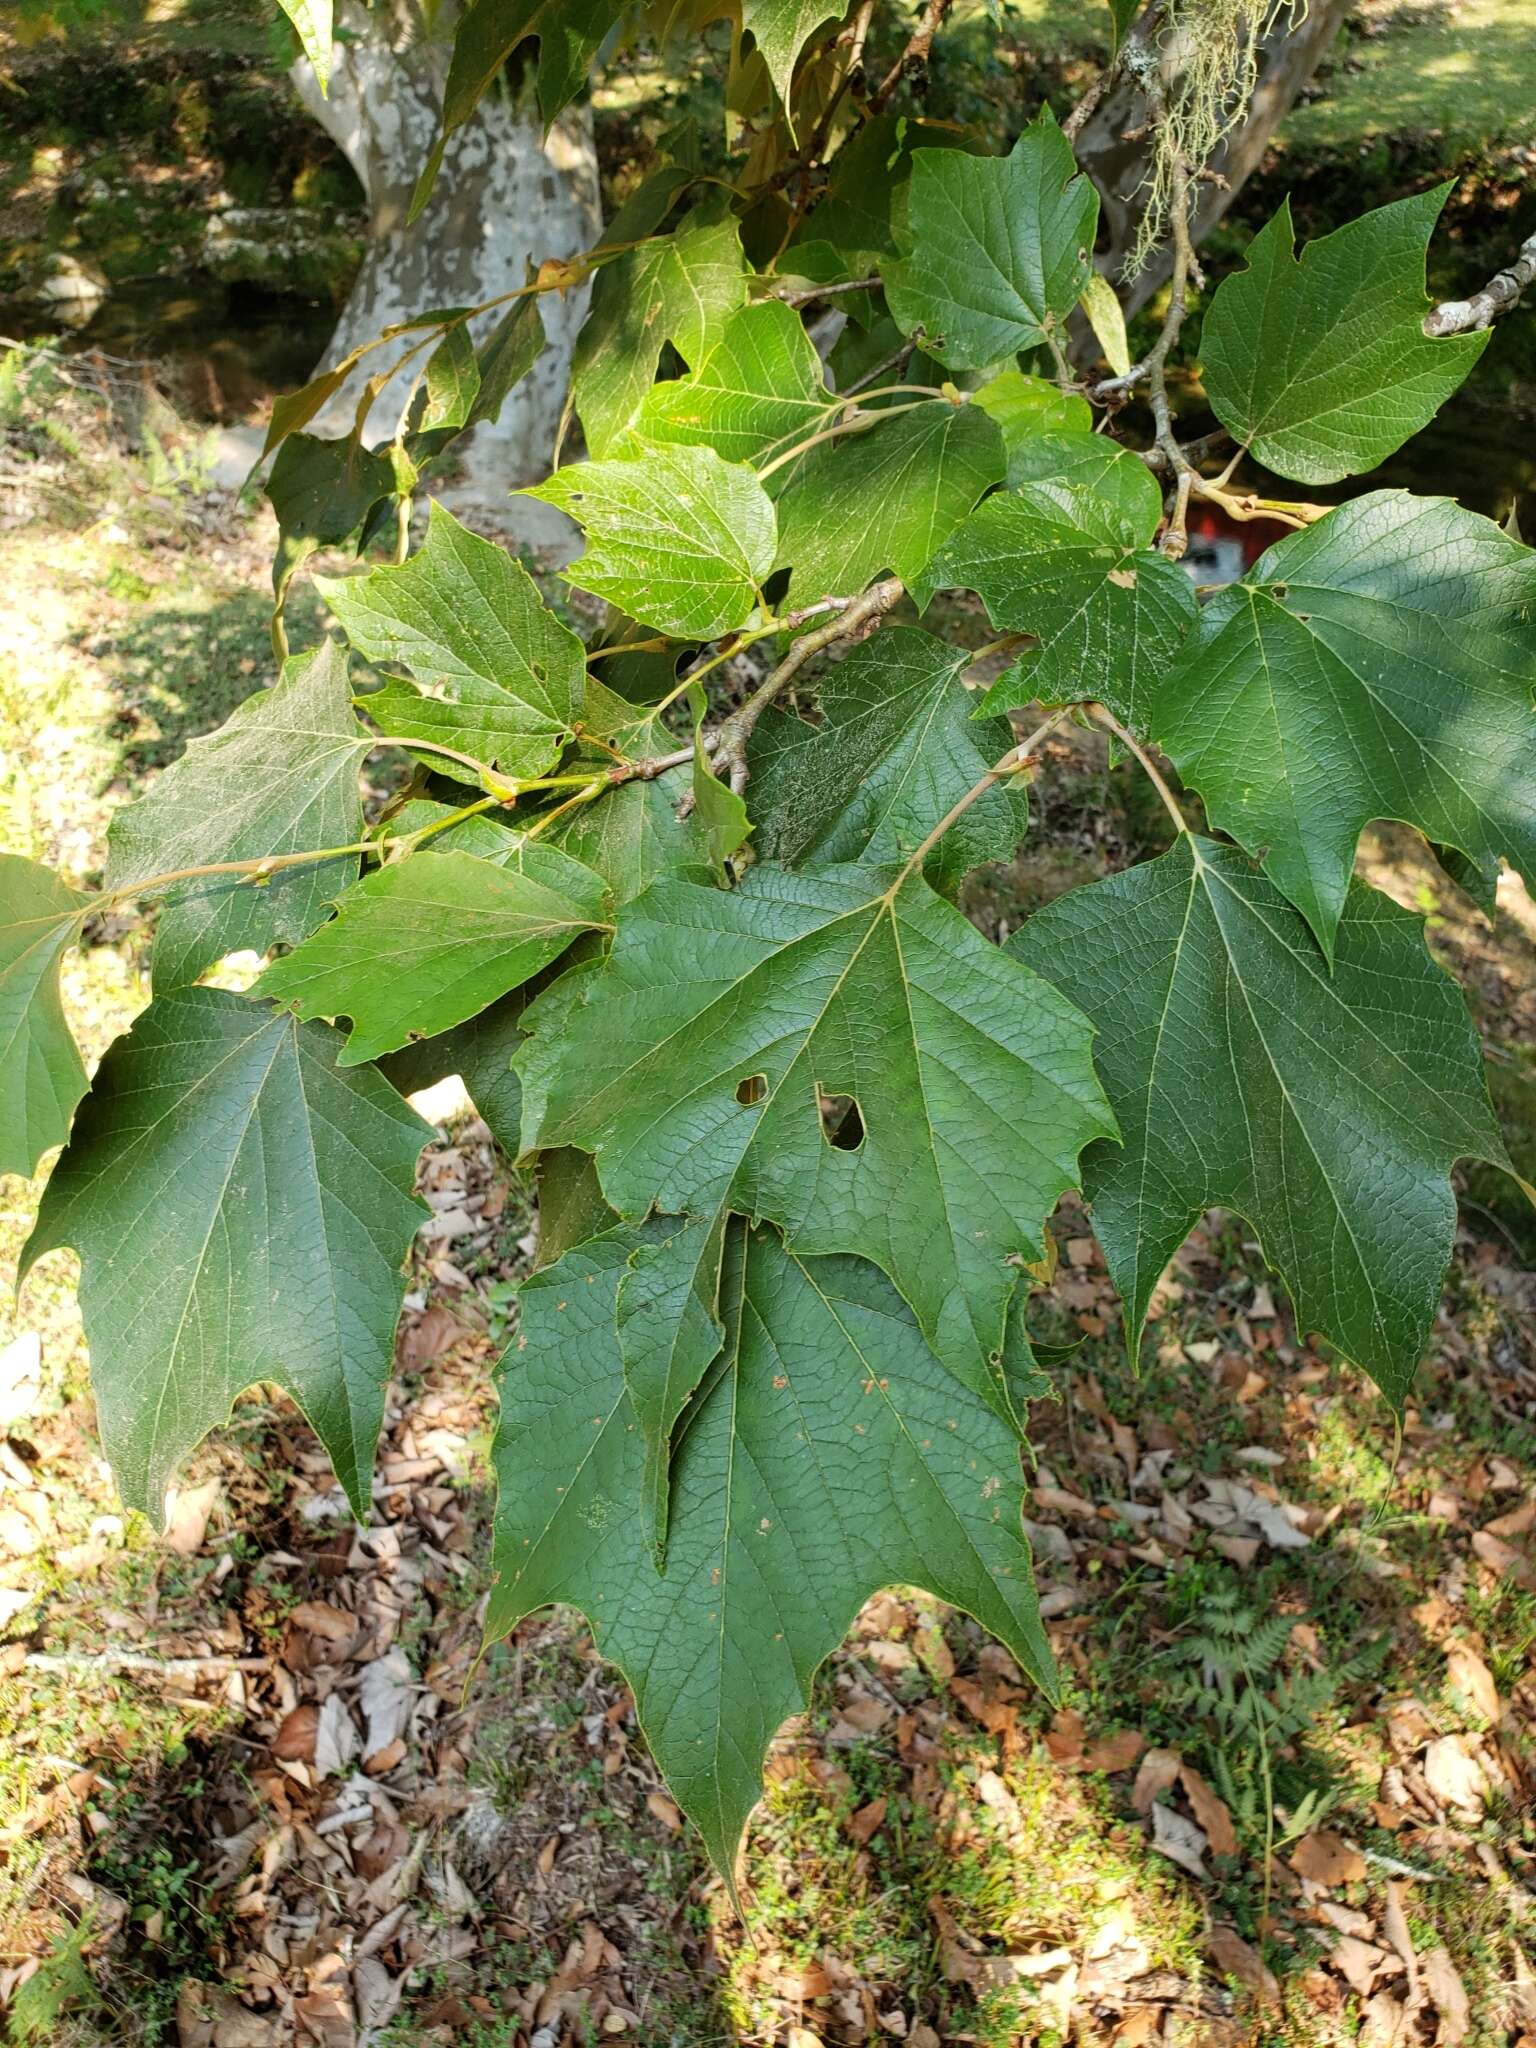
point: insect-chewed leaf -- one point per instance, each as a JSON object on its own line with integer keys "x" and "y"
{"x": 702, "y": 1061}
{"x": 278, "y": 777}
{"x": 884, "y": 499}
{"x": 1325, "y": 1108}
{"x": 1064, "y": 556}
{"x": 1378, "y": 665}
{"x": 782, "y": 28}
{"x": 997, "y": 250}
{"x": 681, "y": 289}
{"x": 826, "y": 1455}
{"x": 759, "y": 388}
{"x": 1322, "y": 366}
{"x": 897, "y": 747}
{"x": 41, "y": 1074}
{"x": 499, "y": 676}
{"x": 480, "y": 1052}
{"x": 242, "y": 1210}
{"x": 426, "y": 942}
{"x": 679, "y": 539}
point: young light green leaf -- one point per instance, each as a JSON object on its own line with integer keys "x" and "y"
{"x": 312, "y": 24}
{"x": 897, "y": 746}
{"x": 759, "y": 389}
{"x": 681, "y": 288}
{"x": 498, "y": 675}
{"x": 681, "y": 540}
{"x": 242, "y": 1210}
{"x": 782, "y": 28}
{"x": 1069, "y": 562}
{"x": 1027, "y": 407}
{"x": 1321, "y": 366}
{"x": 1106, "y": 317}
{"x": 997, "y": 250}
{"x": 1378, "y": 665}
{"x": 280, "y": 776}
{"x": 826, "y": 1455}
{"x": 696, "y": 1061}
{"x": 426, "y": 942}
{"x": 670, "y": 1333}
{"x": 885, "y": 499}
{"x": 480, "y": 1052}
{"x": 1327, "y": 1109}
{"x": 41, "y": 1073}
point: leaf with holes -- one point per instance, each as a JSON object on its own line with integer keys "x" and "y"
{"x": 1378, "y": 665}
{"x": 826, "y": 1455}
{"x": 681, "y": 540}
{"x": 897, "y": 746}
{"x": 480, "y": 1052}
{"x": 279, "y": 777}
{"x": 41, "y": 1073}
{"x": 697, "y": 1064}
{"x": 242, "y": 1208}
{"x": 1325, "y": 1108}
{"x": 997, "y": 250}
{"x": 884, "y": 499}
{"x": 497, "y": 676}
{"x": 1068, "y": 561}
{"x": 427, "y": 942}
{"x": 759, "y": 389}
{"x": 1321, "y": 365}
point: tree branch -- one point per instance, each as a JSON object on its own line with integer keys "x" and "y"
{"x": 914, "y": 58}
{"x": 1498, "y": 295}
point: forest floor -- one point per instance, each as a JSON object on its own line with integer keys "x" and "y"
{"x": 258, "y": 1787}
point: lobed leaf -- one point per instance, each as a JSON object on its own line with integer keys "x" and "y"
{"x": 242, "y": 1208}
{"x": 1326, "y": 1108}
{"x": 280, "y": 776}
{"x": 42, "y": 1076}
{"x": 826, "y": 1455}
{"x": 760, "y": 388}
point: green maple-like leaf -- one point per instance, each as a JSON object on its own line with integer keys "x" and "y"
{"x": 885, "y": 499}
{"x": 280, "y": 776}
{"x": 1068, "y": 560}
{"x": 849, "y": 232}
{"x": 426, "y": 942}
{"x": 897, "y": 746}
{"x": 1378, "y": 665}
{"x": 242, "y": 1209}
{"x": 1321, "y": 366}
{"x": 827, "y": 1455}
{"x": 782, "y": 28}
{"x": 41, "y": 1073}
{"x": 1326, "y": 1108}
{"x": 759, "y": 389}
{"x": 669, "y": 1334}
{"x": 681, "y": 288}
{"x": 996, "y": 250}
{"x": 497, "y": 675}
{"x": 678, "y": 538}
{"x": 694, "y": 1063}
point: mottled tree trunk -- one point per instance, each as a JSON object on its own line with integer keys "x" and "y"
{"x": 506, "y": 195}
{"x": 1288, "y": 56}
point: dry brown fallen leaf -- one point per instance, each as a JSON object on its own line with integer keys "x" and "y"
{"x": 189, "y": 1510}
{"x": 1470, "y": 1676}
{"x": 1327, "y": 1859}
{"x": 294, "y": 1742}
{"x": 1454, "y": 1775}
{"x": 1159, "y": 1769}
{"x": 1211, "y": 1812}
{"x": 1235, "y": 1958}
{"x": 1440, "y": 1979}
{"x": 868, "y": 1820}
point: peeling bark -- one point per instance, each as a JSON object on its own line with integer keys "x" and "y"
{"x": 507, "y": 196}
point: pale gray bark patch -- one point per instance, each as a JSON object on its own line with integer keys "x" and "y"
{"x": 507, "y": 196}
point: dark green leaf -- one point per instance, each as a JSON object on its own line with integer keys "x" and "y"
{"x": 1321, "y": 366}
{"x": 41, "y": 1074}
{"x": 500, "y": 677}
{"x": 279, "y": 777}
{"x": 1378, "y": 665}
{"x": 480, "y": 1052}
{"x": 242, "y": 1209}
{"x": 897, "y": 747}
{"x": 826, "y": 1456}
{"x": 669, "y": 1333}
{"x": 1327, "y": 1109}
{"x": 452, "y": 382}
{"x": 322, "y": 493}
{"x": 695, "y": 1060}
{"x": 428, "y": 941}
{"x": 996, "y": 250}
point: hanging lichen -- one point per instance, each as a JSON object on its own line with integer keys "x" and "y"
{"x": 1204, "y": 67}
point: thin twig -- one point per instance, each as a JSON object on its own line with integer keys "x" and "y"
{"x": 914, "y": 58}
{"x": 796, "y": 295}
{"x": 1016, "y": 758}
{"x": 1102, "y": 715}
{"x": 1498, "y": 295}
